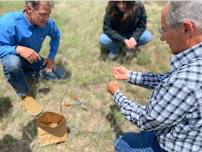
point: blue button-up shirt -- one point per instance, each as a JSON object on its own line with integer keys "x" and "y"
{"x": 174, "y": 110}
{"x": 15, "y": 29}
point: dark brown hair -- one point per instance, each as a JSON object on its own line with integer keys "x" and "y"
{"x": 132, "y": 8}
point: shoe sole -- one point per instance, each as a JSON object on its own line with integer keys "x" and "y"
{"x": 30, "y": 104}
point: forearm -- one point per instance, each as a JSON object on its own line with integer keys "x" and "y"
{"x": 140, "y": 28}
{"x": 139, "y": 115}
{"x": 158, "y": 113}
{"x": 55, "y": 35}
{"x": 6, "y": 49}
{"x": 138, "y": 32}
{"x": 54, "y": 45}
{"x": 147, "y": 80}
{"x": 131, "y": 111}
{"x": 114, "y": 35}
{"x": 141, "y": 25}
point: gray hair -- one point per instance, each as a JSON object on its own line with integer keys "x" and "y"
{"x": 35, "y": 3}
{"x": 185, "y": 10}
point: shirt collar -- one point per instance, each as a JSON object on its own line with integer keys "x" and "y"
{"x": 28, "y": 23}
{"x": 185, "y": 56}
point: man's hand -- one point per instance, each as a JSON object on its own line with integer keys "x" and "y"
{"x": 120, "y": 73}
{"x": 113, "y": 87}
{"x": 50, "y": 65}
{"x": 28, "y": 54}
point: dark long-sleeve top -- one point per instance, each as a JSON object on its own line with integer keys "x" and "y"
{"x": 117, "y": 30}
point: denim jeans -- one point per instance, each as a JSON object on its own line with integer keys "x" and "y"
{"x": 145, "y": 141}
{"x": 114, "y": 47}
{"x": 16, "y": 70}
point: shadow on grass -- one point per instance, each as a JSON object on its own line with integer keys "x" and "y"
{"x": 62, "y": 74}
{"x": 114, "y": 120}
{"x": 44, "y": 90}
{"x": 10, "y": 144}
{"x": 5, "y": 106}
{"x": 65, "y": 73}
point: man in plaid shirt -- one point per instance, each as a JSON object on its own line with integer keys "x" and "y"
{"x": 172, "y": 119}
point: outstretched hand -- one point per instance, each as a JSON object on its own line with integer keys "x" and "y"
{"x": 113, "y": 87}
{"x": 120, "y": 73}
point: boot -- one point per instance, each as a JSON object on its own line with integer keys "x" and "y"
{"x": 32, "y": 106}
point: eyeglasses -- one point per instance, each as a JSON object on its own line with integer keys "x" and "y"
{"x": 162, "y": 30}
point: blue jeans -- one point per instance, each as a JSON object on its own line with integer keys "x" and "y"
{"x": 145, "y": 141}
{"x": 113, "y": 46}
{"x": 17, "y": 69}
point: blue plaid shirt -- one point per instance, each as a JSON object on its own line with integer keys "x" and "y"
{"x": 174, "y": 110}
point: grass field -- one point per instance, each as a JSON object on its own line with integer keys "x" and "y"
{"x": 94, "y": 129}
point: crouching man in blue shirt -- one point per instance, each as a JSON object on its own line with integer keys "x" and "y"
{"x": 21, "y": 37}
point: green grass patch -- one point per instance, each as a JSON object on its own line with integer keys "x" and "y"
{"x": 143, "y": 58}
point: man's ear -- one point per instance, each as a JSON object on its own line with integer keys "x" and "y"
{"x": 188, "y": 27}
{"x": 28, "y": 9}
